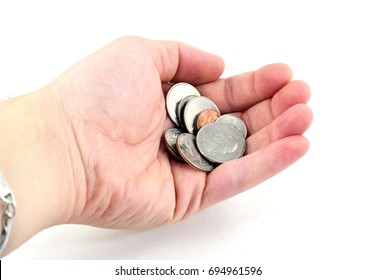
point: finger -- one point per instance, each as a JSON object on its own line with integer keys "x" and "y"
{"x": 178, "y": 62}
{"x": 263, "y": 113}
{"x": 234, "y": 177}
{"x": 189, "y": 185}
{"x": 294, "y": 121}
{"x": 242, "y": 91}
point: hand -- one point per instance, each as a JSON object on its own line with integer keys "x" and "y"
{"x": 110, "y": 110}
{"x": 115, "y": 103}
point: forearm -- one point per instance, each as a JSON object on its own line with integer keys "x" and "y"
{"x": 30, "y": 159}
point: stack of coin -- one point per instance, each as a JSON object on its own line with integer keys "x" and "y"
{"x": 202, "y": 137}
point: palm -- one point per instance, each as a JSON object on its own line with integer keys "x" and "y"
{"x": 130, "y": 179}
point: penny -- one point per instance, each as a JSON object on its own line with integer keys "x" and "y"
{"x": 234, "y": 121}
{"x": 180, "y": 109}
{"x": 220, "y": 142}
{"x": 193, "y": 108}
{"x": 170, "y": 139}
{"x": 175, "y": 94}
{"x": 206, "y": 117}
{"x": 186, "y": 145}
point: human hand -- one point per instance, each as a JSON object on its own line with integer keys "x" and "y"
{"x": 115, "y": 104}
{"x": 110, "y": 109}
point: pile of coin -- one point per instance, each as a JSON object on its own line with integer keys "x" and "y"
{"x": 202, "y": 137}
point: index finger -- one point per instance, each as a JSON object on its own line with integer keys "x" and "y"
{"x": 242, "y": 91}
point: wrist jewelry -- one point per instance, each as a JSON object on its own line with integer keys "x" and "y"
{"x": 8, "y": 210}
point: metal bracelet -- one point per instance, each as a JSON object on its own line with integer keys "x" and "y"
{"x": 8, "y": 207}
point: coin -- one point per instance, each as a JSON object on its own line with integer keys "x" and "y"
{"x": 186, "y": 145}
{"x": 175, "y": 94}
{"x": 220, "y": 142}
{"x": 206, "y": 117}
{"x": 193, "y": 108}
{"x": 170, "y": 139}
{"x": 234, "y": 121}
{"x": 180, "y": 109}
{"x": 213, "y": 139}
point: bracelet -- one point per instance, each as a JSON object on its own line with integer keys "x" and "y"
{"x": 8, "y": 207}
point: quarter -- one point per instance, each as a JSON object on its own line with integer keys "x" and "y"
{"x": 220, "y": 142}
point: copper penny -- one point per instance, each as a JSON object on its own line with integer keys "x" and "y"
{"x": 206, "y": 117}
{"x": 193, "y": 108}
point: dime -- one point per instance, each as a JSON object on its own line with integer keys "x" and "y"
{"x": 193, "y": 108}
{"x": 181, "y": 107}
{"x": 220, "y": 142}
{"x": 186, "y": 145}
{"x": 234, "y": 121}
{"x": 170, "y": 139}
{"x": 175, "y": 94}
{"x": 206, "y": 117}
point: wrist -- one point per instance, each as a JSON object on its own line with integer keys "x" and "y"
{"x": 35, "y": 161}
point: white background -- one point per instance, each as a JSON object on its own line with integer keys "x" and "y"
{"x": 313, "y": 221}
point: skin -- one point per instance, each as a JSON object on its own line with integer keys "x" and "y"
{"x": 87, "y": 148}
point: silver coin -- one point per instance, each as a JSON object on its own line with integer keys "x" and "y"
{"x": 170, "y": 139}
{"x": 234, "y": 121}
{"x": 180, "y": 109}
{"x": 186, "y": 145}
{"x": 175, "y": 94}
{"x": 220, "y": 142}
{"x": 193, "y": 108}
